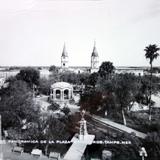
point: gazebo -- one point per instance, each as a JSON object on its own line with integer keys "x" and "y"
{"x": 61, "y": 92}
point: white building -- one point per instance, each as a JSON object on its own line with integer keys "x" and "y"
{"x": 61, "y": 92}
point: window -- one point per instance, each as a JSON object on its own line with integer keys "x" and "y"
{"x": 66, "y": 94}
{"x": 58, "y": 94}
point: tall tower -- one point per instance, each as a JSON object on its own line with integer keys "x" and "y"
{"x": 94, "y": 59}
{"x": 64, "y": 58}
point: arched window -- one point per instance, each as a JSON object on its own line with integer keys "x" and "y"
{"x": 58, "y": 94}
{"x": 66, "y": 94}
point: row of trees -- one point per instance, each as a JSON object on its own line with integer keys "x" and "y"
{"x": 113, "y": 94}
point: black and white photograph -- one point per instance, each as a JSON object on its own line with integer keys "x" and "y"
{"x": 79, "y": 80}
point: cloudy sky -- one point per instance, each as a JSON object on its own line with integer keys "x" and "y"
{"x": 32, "y": 32}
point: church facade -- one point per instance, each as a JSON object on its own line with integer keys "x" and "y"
{"x": 94, "y": 65}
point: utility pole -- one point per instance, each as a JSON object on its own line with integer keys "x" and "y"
{"x": 1, "y": 152}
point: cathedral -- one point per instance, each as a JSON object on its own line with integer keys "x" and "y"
{"x": 94, "y": 66}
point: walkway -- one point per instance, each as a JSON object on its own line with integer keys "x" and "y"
{"x": 78, "y": 147}
{"x": 119, "y": 126}
{"x": 42, "y": 101}
{"x": 76, "y": 151}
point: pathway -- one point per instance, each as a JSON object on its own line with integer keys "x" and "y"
{"x": 119, "y": 126}
{"x": 42, "y": 101}
{"x": 75, "y": 152}
{"x": 78, "y": 147}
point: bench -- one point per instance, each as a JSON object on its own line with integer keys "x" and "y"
{"x": 36, "y": 152}
{"x": 17, "y": 149}
{"x": 54, "y": 156}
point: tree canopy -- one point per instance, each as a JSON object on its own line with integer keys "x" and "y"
{"x": 29, "y": 75}
{"x": 17, "y": 104}
{"x": 106, "y": 69}
{"x": 151, "y": 52}
{"x": 53, "y": 68}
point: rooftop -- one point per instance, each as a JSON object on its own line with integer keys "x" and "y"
{"x": 61, "y": 85}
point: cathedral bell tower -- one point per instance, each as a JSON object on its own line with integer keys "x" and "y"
{"x": 94, "y": 59}
{"x": 64, "y": 58}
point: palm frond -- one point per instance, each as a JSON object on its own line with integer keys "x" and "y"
{"x": 152, "y": 52}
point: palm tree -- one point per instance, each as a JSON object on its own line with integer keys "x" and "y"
{"x": 151, "y": 54}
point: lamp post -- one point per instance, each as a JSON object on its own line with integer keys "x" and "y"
{"x": 143, "y": 152}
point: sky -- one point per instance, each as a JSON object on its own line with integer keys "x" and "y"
{"x": 33, "y": 32}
